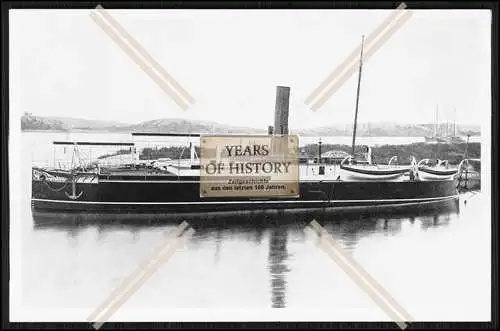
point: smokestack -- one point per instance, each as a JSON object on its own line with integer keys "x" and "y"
{"x": 281, "y": 110}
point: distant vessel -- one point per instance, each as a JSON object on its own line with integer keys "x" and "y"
{"x": 443, "y": 133}
{"x": 445, "y": 140}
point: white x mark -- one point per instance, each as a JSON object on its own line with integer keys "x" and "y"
{"x": 142, "y": 58}
{"x": 373, "y": 42}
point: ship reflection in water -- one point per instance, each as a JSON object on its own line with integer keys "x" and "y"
{"x": 256, "y": 262}
{"x": 278, "y": 255}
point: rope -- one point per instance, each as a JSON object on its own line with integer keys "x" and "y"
{"x": 56, "y": 189}
{"x": 59, "y": 189}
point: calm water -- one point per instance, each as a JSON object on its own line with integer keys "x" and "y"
{"x": 437, "y": 265}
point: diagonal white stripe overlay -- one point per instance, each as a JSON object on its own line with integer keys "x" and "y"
{"x": 144, "y": 271}
{"x": 142, "y": 58}
{"x": 345, "y": 70}
{"x": 359, "y": 275}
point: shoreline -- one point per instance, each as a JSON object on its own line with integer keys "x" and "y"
{"x": 153, "y": 131}
{"x": 382, "y": 151}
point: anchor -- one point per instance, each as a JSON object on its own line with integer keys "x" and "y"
{"x": 74, "y": 196}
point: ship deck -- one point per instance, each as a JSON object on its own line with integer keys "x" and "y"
{"x": 307, "y": 173}
{"x": 138, "y": 172}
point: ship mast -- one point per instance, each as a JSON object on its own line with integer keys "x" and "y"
{"x": 447, "y": 124}
{"x": 357, "y": 96}
{"x": 455, "y": 122}
{"x": 436, "y": 123}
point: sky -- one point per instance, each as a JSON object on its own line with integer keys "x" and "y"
{"x": 63, "y": 64}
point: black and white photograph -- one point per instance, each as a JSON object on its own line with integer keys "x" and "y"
{"x": 239, "y": 165}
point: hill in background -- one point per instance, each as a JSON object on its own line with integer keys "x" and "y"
{"x": 30, "y": 122}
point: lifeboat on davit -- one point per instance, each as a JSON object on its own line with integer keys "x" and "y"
{"x": 441, "y": 171}
{"x": 370, "y": 172}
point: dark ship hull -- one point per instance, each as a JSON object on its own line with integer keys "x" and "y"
{"x": 130, "y": 194}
